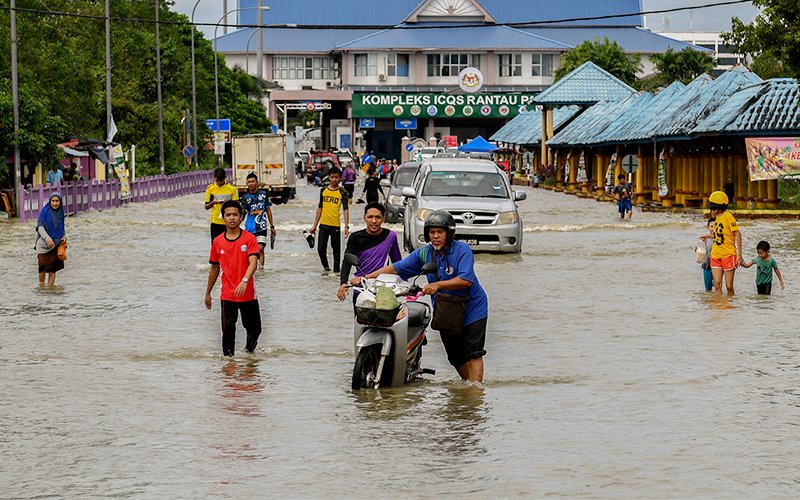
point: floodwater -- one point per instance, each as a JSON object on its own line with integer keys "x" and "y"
{"x": 609, "y": 374}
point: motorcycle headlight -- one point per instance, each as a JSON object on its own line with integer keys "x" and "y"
{"x": 508, "y": 218}
{"x": 395, "y": 199}
{"x": 423, "y": 214}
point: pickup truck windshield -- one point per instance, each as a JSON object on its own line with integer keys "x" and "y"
{"x": 466, "y": 184}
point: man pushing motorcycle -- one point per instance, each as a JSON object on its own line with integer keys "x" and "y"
{"x": 461, "y": 308}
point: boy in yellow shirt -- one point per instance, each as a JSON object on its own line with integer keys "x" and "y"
{"x": 332, "y": 201}
{"x": 726, "y": 254}
{"x": 216, "y": 194}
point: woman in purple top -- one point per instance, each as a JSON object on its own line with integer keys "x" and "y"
{"x": 374, "y": 246}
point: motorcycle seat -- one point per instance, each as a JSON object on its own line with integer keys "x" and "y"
{"x": 416, "y": 315}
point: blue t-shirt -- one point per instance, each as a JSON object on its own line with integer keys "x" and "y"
{"x": 255, "y": 205}
{"x": 457, "y": 261}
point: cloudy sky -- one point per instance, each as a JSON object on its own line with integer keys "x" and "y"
{"x": 710, "y": 19}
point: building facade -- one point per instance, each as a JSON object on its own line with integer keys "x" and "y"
{"x": 396, "y": 63}
{"x": 725, "y": 55}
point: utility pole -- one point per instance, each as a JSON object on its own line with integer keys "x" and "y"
{"x": 158, "y": 86}
{"x": 15, "y": 97}
{"x": 260, "y": 54}
{"x": 108, "y": 66}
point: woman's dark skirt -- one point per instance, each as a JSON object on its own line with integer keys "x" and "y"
{"x": 49, "y": 262}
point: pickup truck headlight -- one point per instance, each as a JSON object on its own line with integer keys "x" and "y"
{"x": 395, "y": 199}
{"x": 508, "y": 218}
{"x": 423, "y": 214}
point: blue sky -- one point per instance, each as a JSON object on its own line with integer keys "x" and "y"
{"x": 711, "y": 19}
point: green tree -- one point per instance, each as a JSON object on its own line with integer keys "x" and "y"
{"x": 62, "y": 81}
{"x": 672, "y": 66}
{"x": 606, "y": 54}
{"x": 772, "y": 39}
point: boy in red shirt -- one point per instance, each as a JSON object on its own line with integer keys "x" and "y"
{"x": 235, "y": 252}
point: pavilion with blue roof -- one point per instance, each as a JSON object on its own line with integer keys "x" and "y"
{"x": 401, "y": 59}
{"x": 687, "y": 140}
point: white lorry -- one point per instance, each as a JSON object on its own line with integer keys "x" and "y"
{"x": 271, "y": 158}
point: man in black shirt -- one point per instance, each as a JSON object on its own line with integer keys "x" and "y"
{"x": 374, "y": 246}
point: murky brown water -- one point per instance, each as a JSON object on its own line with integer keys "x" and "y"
{"x": 609, "y": 374}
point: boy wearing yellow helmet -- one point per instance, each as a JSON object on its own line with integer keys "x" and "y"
{"x": 726, "y": 254}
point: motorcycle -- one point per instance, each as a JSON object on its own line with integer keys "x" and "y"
{"x": 388, "y": 344}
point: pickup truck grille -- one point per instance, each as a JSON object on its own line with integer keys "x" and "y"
{"x": 474, "y": 218}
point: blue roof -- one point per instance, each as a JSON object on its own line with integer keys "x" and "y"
{"x": 330, "y": 12}
{"x": 549, "y": 12}
{"x": 486, "y": 37}
{"x": 673, "y": 113}
{"x": 591, "y": 123}
{"x": 393, "y": 12}
{"x": 526, "y": 127}
{"x": 586, "y": 84}
{"x": 701, "y": 99}
{"x": 769, "y": 107}
{"x": 631, "y": 39}
{"x": 291, "y": 41}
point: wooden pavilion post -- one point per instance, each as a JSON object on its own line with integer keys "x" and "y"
{"x": 640, "y": 189}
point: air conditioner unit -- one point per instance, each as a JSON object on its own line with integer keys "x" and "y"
{"x": 329, "y": 84}
{"x": 382, "y": 78}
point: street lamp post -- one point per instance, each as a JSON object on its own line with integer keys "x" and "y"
{"x": 15, "y": 97}
{"x": 158, "y": 87}
{"x": 194, "y": 90}
{"x": 216, "y": 64}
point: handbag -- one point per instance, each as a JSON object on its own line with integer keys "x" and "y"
{"x": 62, "y": 250}
{"x": 448, "y": 315}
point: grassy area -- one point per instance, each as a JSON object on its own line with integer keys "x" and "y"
{"x": 789, "y": 193}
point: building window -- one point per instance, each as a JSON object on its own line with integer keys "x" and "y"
{"x": 509, "y": 64}
{"x": 365, "y": 65}
{"x": 303, "y": 68}
{"x": 397, "y": 65}
{"x": 542, "y": 65}
{"x": 451, "y": 64}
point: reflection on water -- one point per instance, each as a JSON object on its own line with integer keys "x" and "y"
{"x": 463, "y": 417}
{"x": 242, "y": 387}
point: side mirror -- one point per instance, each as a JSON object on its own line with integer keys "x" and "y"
{"x": 409, "y": 192}
{"x": 428, "y": 268}
{"x": 520, "y": 195}
{"x": 351, "y": 259}
{"x": 386, "y": 183}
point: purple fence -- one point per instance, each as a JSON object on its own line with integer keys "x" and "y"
{"x": 99, "y": 195}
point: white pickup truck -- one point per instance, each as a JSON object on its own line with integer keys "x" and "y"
{"x": 271, "y": 158}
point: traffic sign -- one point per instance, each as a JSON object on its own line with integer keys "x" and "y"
{"x": 188, "y": 151}
{"x": 224, "y": 125}
{"x": 405, "y": 123}
{"x": 366, "y": 123}
{"x": 409, "y": 147}
{"x": 310, "y": 106}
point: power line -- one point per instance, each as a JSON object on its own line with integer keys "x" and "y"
{"x": 377, "y": 26}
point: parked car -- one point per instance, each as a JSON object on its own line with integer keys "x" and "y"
{"x": 430, "y": 151}
{"x": 478, "y": 196}
{"x": 345, "y": 157}
{"x": 322, "y": 162}
{"x": 300, "y": 161}
{"x": 395, "y": 202}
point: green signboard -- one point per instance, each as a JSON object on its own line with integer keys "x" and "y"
{"x": 440, "y": 105}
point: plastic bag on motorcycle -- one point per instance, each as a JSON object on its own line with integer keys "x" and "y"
{"x": 379, "y": 309}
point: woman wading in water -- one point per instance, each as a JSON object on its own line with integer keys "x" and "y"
{"x": 50, "y": 233}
